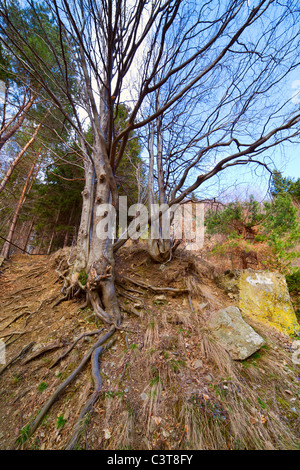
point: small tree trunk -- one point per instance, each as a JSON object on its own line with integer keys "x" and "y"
{"x": 29, "y": 234}
{"x": 69, "y": 223}
{"x": 53, "y": 233}
{"x": 6, "y": 246}
{"x": 158, "y": 248}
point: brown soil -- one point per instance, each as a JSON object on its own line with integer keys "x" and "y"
{"x": 166, "y": 383}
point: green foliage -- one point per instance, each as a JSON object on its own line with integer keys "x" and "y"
{"x": 235, "y": 219}
{"x": 24, "y": 434}
{"x": 281, "y": 185}
{"x": 42, "y": 386}
{"x": 60, "y": 422}
{"x": 276, "y": 222}
{"x": 281, "y": 226}
{"x": 83, "y": 277}
{"x": 5, "y": 69}
{"x": 56, "y": 202}
{"x": 293, "y": 282}
{"x": 131, "y": 173}
{"x": 261, "y": 403}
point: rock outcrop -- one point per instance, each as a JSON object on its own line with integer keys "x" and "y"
{"x": 264, "y": 296}
{"x": 235, "y": 335}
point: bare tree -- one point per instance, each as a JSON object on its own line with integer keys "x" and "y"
{"x": 229, "y": 58}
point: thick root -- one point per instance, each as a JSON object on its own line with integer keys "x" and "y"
{"x": 94, "y": 397}
{"x": 54, "y": 397}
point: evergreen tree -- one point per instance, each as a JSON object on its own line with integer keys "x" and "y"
{"x": 281, "y": 184}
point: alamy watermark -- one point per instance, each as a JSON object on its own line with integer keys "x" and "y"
{"x": 2, "y": 353}
{"x": 2, "y": 92}
{"x": 296, "y": 353}
{"x": 176, "y": 222}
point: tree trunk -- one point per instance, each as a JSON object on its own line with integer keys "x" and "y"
{"x": 6, "y": 246}
{"x": 101, "y": 265}
{"x": 95, "y": 253}
{"x": 69, "y": 224}
{"x": 158, "y": 247}
{"x": 53, "y": 233}
{"x": 29, "y": 234}
{"x": 84, "y": 232}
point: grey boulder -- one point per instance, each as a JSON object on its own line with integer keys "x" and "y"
{"x": 236, "y": 336}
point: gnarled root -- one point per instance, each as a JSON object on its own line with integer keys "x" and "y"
{"x": 90, "y": 403}
{"x": 39, "y": 418}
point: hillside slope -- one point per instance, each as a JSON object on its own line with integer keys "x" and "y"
{"x": 166, "y": 382}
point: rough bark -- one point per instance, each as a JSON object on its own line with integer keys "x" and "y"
{"x": 158, "y": 247}
{"x": 101, "y": 265}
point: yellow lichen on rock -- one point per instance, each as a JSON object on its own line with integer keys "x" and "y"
{"x": 265, "y": 296}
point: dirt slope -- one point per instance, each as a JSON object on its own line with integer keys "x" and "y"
{"x": 166, "y": 383}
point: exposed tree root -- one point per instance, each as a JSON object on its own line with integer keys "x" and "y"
{"x": 64, "y": 354}
{"x": 62, "y": 299}
{"x": 19, "y": 355}
{"x": 92, "y": 400}
{"x": 12, "y": 333}
{"x": 47, "y": 348}
{"x": 153, "y": 288}
{"x": 130, "y": 309}
{"x": 17, "y": 317}
{"x": 133, "y": 298}
{"x": 129, "y": 289}
{"x": 31, "y": 428}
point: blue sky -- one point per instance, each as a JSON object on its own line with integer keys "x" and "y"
{"x": 243, "y": 181}
{"x": 290, "y": 166}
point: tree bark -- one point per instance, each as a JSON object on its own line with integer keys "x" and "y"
{"x": 29, "y": 234}
{"x": 95, "y": 254}
{"x": 53, "y": 233}
{"x": 158, "y": 247}
{"x": 6, "y": 246}
{"x": 101, "y": 265}
{"x": 84, "y": 232}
